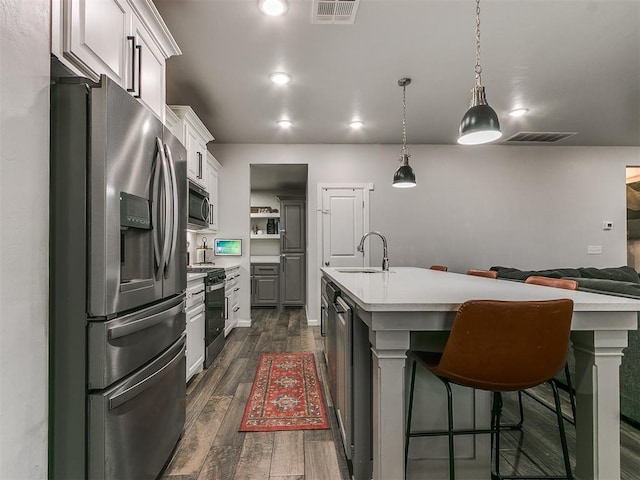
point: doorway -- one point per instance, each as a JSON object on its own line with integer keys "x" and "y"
{"x": 344, "y": 210}
{"x": 633, "y": 217}
{"x": 277, "y": 246}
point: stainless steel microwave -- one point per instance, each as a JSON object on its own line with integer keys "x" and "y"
{"x": 198, "y": 207}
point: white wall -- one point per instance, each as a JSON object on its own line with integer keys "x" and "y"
{"x": 522, "y": 206}
{"x": 24, "y": 227}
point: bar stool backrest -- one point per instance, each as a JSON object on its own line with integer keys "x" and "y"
{"x": 442, "y": 268}
{"x": 553, "y": 282}
{"x": 483, "y": 273}
{"x": 506, "y": 345}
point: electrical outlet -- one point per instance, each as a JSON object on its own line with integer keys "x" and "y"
{"x": 594, "y": 249}
{"x": 607, "y": 225}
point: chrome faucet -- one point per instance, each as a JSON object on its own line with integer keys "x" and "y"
{"x": 385, "y": 259}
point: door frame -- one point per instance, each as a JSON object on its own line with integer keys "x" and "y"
{"x": 366, "y": 188}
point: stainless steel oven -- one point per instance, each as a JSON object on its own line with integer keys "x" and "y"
{"x": 215, "y": 312}
{"x": 197, "y": 207}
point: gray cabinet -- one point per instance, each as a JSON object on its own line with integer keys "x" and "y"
{"x": 265, "y": 285}
{"x": 293, "y": 247}
{"x": 292, "y": 225}
{"x": 292, "y": 279}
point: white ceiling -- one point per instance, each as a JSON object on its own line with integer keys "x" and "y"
{"x": 574, "y": 63}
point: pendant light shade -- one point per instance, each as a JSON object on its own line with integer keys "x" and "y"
{"x": 480, "y": 123}
{"x": 404, "y": 176}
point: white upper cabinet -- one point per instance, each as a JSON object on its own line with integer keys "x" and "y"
{"x": 126, "y": 40}
{"x": 95, "y": 39}
{"x": 213, "y": 168}
{"x": 194, "y": 136}
{"x": 150, "y": 63}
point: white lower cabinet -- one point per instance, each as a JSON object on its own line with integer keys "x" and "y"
{"x": 195, "y": 319}
{"x": 232, "y": 301}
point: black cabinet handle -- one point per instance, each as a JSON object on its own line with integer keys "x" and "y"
{"x": 139, "y": 94}
{"x": 132, "y": 39}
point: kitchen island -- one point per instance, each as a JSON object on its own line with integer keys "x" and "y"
{"x": 406, "y": 300}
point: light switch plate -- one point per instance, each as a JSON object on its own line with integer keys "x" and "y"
{"x": 594, "y": 249}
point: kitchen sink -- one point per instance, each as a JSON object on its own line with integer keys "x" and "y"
{"x": 359, "y": 270}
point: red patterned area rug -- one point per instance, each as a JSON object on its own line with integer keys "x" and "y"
{"x": 285, "y": 395}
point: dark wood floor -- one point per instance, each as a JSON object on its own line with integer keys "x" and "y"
{"x": 212, "y": 448}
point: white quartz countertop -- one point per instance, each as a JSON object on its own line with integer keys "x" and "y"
{"x": 195, "y": 276}
{"x": 265, "y": 259}
{"x": 420, "y": 289}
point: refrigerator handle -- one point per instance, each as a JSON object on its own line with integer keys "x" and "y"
{"x": 174, "y": 211}
{"x": 158, "y": 167}
{"x": 166, "y": 183}
{"x": 135, "y": 390}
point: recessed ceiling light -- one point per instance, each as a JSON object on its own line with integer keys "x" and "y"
{"x": 273, "y": 7}
{"x": 356, "y": 124}
{"x": 285, "y": 123}
{"x": 280, "y": 78}
{"x": 518, "y": 112}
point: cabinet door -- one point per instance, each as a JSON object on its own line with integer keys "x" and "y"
{"x": 196, "y": 160}
{"x": 292, "y": 279}
{"x": 96, "y": 39}
{"x": 266, "y": 289}
{"x": 292, "y": 226}
{"x": 212, "y": 188}
{"x": 149, "y": 70}
{"x": 195, "y": 340}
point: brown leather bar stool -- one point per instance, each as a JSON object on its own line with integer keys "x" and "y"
{"x": 498, "y": 346}
{"x": 483, "y": 273}
{"x": 567, "y": 285}
{"x": 442, "y": 268}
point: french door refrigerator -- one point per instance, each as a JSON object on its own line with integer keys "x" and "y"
{"x": 118, "y": 281}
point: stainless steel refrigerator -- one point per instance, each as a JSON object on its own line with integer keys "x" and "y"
{"x": 118, "y": 281}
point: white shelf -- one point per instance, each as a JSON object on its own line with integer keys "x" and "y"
{"x": 265, "y": 236}
{"x": 265, "y": 215}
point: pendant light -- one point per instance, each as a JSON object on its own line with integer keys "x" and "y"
{"x": 480, "y": 124}
{"x": 404, "y": 176}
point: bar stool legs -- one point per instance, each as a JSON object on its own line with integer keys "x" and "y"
{"x": 494, "y": 430}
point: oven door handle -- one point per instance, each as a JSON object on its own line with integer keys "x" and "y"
{"x": 213, "y": 288}
{"x": 138, "y": 388}
{"x": 138, "y": 324}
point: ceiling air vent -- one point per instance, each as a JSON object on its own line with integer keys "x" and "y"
{"x": 539, "y": 137}
{"x": 334, "y": 11}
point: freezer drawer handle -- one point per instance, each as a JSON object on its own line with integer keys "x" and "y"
{"x": 129, "y": 328}
{"x": 139, "y": 387}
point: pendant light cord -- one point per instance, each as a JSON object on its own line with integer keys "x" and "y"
{"x": 404, "y": 119}
{"x": 478, "y": 68}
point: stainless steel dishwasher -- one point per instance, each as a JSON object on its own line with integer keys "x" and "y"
{"x": 331, "y": 292}
{"x": 344, "y": 364}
